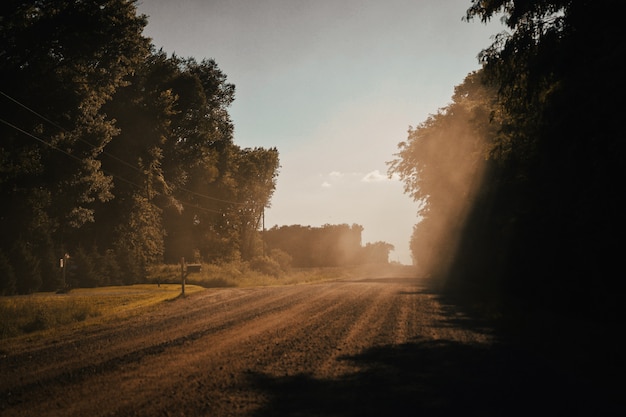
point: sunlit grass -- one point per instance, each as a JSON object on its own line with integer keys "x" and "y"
{"x": 238, "y": 274}
{"x": 43, "y": 312}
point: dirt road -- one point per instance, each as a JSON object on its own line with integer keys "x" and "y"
{"x": 365, "y": 347}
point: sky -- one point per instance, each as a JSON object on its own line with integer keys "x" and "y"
{"x": 334, "y": 85}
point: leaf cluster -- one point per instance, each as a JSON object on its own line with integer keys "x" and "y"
{"x": 540, "y": 231}
{"x": 115, "y": 152}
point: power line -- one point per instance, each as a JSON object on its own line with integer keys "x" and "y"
{"x": 40, "y": 140}
{"x": 65, "y": 152}
{"x": 128, "y": 164}
{"x": 32, "y": 111}
{"x": 66, "y": 130}
{"x": 185, "y": 203}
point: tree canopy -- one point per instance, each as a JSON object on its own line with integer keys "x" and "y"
{"x": 328, "y": 245}
{"x": 115, "y": 152}
{"x": 542, "y": 227}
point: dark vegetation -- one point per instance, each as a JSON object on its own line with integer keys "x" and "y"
{"x": 520, "y": 176}
{"x": 329, "y": 245}
{"x": 123, "y": 158}
{"x": 115, "y": 153}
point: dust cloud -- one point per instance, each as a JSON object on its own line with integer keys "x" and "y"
{"x": 443, "y": 165}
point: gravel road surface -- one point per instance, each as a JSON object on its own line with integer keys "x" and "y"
{"x": 364, "y": 347}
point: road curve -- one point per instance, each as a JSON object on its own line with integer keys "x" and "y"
{"x": 379, "y": 346}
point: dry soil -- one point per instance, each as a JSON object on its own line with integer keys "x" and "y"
{"x": 364, "y": 347}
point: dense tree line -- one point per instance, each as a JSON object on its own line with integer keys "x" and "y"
{"x": 329, "y": 245}
{"x": 543, "y": 228}
{"x": 114, "y": 152}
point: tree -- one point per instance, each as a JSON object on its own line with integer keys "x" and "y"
{"x": 61, "y": 61}
{"x": 328, "y": 245}
{"x": 376, "y": 253}
{"x": 555, "y": 72}
{"x": 442, "y": 165}
{"x": 255, "y": 175}
{"x": 113, "y": 146}
{"x": 133, "y": 221}
{"x": 7, "y": 276}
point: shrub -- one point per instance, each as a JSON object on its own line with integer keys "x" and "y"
{"x": 265, "y": 265}
{"x": 26, "y": 267}
{"x": 283, "y": 259}
{"x": 7, "y": 276}
{"x": 109, "y": 269}
{"x": 83, "y": 267}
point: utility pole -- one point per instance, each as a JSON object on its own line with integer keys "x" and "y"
{"x": 263, "y": 230}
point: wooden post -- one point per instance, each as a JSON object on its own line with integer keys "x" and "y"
{"x": 182, "y": 275}
{"x": 64, "y": 263}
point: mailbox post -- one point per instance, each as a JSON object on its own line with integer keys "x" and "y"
{"x": 186, "y": 269}
{"x": 182, "y": 276}
{"x": 63, "y": 263}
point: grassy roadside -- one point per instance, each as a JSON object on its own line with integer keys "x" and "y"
{"x": 240, "y": 275}
{"x": 45, "y": 312}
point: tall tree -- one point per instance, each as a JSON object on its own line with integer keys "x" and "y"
{"x": 61, "y": 61}
{"x": 256, "y": 172}
{"x": 442, "y": 165}
{"x": 556, "y": 70}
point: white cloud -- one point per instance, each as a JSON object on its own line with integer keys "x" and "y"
{"x": 377, "y": 176}
{"x": 326, "y": 184}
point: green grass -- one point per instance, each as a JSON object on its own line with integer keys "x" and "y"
{"x": 238, "y": 274}
{"x": 44, "y": 313}
{"x": 40, "y": 312}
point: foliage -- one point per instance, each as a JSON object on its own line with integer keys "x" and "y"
{"x": 566, "y": 150}
{"x": 7, "y": 276}
{"x": 266, "y": 265}
{"x": 540, "y": 232}
{"x": 326, "y": 246}
{"x": 284, "y": 260}
{"x": 113, "y": 146}
{"x": 82, "y": 268}
{"x": 376, "y": 253}
{"x": 241, "y": 274}
{"x": 27, "y": 267}
{"x": 442, "y": 164}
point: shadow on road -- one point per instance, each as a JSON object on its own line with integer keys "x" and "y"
{"x": 438, "y": 378}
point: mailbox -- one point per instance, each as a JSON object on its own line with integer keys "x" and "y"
{"x": 193, "y": 268}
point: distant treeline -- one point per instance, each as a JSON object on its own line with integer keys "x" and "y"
{"x": 329, "y": 245}
{"x": 113, "y": 152}
{"x": 520, "y": 177}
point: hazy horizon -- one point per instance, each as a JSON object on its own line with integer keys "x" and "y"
{"x": 334, "y": 86}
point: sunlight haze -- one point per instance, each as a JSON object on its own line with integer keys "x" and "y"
{"x": 334, "y": 86}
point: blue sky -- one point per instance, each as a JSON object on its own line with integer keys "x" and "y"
{"x": 334, "y": 86}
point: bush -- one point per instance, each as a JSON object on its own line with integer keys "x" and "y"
{"x": 109, "y": 269}
{"x": 83, "y": 267}
{"x": 265, "y": 265}
{"x": 283, "y": 259}
{"x": 7, "y": 276}
{"x": 26, "y": 267}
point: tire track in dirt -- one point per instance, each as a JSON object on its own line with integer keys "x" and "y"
{"x": 104, "y": 347}
{"x": 229, "y": 319}
{"x": 197, "y": 356}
